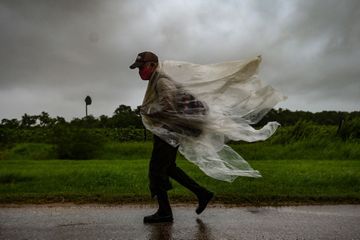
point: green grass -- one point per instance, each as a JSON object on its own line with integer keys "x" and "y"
{"x": 124, "y": 181}
{"x": 25, "y": 151}
{"x": 311, "y": 149}
{"x": 126, "y": 150}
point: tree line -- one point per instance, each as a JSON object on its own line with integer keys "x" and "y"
{"x": 123, "y": 117}
{"x": 126, "y": 117}
{"x": 83, "y": 138}
{"x": 289, "y": 118}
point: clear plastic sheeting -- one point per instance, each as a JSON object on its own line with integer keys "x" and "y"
{"x": 201, "y": 107}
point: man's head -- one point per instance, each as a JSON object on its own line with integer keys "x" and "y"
{"x": 147, "y": 63}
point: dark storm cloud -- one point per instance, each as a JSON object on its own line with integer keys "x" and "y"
{"x": 327, "y": 39}
{"x": 54, "y": 53}
{"x": 63, "y": 50}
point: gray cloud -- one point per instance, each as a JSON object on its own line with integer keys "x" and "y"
{"x": 54, "y": 53}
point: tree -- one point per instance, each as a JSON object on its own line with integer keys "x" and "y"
{"x": 60, "y": 121}
{"x": 137, "y": 112}
{"x": 90, "y": 122}
{"x": 122, "y": 109}
{"x": 28, "y": 121}
{"x": 124, "y": 117}
{"x": 76, "y": 122}
{"x": 104, "y": 121}
{"x": 46, "y": 120}
{"x": 13, "y": 123}
{"x": 88, "y": 101}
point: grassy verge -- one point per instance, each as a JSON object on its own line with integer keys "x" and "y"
{"x": 313, "y": 149}
{"x": 125, "y": 181}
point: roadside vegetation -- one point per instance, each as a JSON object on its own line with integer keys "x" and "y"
{"x": 312, "y": 158}
{"x": 125, "y": 181}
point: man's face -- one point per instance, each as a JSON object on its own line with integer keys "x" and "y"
{"x": 146, "y": 70}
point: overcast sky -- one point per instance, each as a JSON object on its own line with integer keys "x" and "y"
{"x": 55, "y": 52}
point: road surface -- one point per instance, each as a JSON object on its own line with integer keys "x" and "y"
{"x": 69, "y": 221}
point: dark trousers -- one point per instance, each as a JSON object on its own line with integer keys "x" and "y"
{"x": 162, "y": 166}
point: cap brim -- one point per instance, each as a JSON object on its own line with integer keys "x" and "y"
{"x": 136, "y": 64}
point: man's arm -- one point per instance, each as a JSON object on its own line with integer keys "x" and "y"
{"x": 166, "y": 90}
{"x": 166, "y": 94}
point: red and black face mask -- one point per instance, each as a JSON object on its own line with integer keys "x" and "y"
{"x": 146, "y": 71}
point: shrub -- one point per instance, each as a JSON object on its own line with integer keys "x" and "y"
{"x": 350, "y": 129}
{"x": 303, "y": 131}
{"x": 29, "y": 151}
{"x": 4, "y": 137}
{"x": 77, "y": 143}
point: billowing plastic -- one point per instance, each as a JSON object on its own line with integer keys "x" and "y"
{"x": 201, "y": 107}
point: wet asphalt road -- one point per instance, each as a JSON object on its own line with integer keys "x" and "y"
{"x": 217, "y": 222}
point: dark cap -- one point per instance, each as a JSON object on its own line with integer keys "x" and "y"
{"x": 144, "y": 57}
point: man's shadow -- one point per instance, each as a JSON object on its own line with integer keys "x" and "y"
{"x": 163, "y": 231}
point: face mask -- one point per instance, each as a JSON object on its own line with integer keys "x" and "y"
{"x": 145, "y": 72}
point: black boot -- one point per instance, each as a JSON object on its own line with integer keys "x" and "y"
{"x": 204, "y": 196}
{"x": 204, "y": 199}
{"x": 164, "y": 213}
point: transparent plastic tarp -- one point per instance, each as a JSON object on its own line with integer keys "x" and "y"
{"x": 201, "y": 107}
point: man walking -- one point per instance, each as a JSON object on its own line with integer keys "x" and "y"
{"x": 160, "y": 106}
